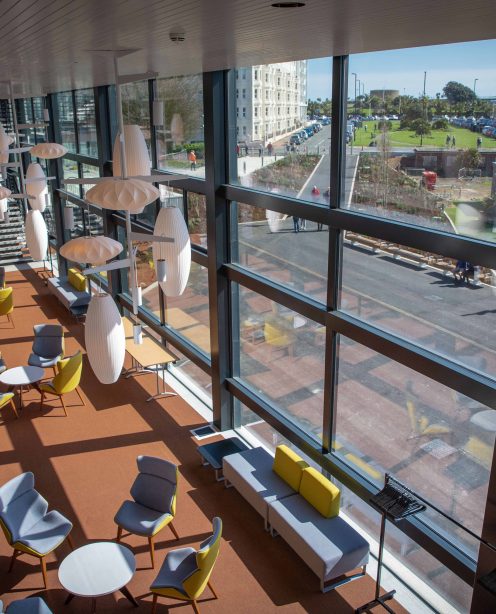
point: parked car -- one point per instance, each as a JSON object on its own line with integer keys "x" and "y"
{"x": 294, "y": 139}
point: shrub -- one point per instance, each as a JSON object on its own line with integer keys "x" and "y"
{"x": 420, "y": 126}
{"x": 199, "y": 148}
{"x": 441, "y": 124}
{"x": 384, "y": 124}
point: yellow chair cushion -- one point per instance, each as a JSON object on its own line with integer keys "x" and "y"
{"x": 322, "y": 494}
{"x": 77, "y": 280}
{"x": 289, "y": 466}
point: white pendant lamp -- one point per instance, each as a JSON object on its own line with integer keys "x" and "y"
{"x": 177, "y": 255}
{"x": 36, "y": 186}
{"x": 123, "y": 194}
{"x": 48, "y": 151}
{"x": 4, "y": 192}
{"x": 69, "y": 218}
{"x": 3, "y": 209}
{"x": 5, "y": 141}
{"x": 104, "y": 338}
{"x": 36, "y": 235}
{"x": 137, "y": 158}
{"x": 92, "y": 250}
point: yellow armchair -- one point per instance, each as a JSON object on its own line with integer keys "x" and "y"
{"x": 6, "y": 398}
{"x": 186, "y": 572}
{"x": 7, "y": 304}
{"x": 66, "y": 380}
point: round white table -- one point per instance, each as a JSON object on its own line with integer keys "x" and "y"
{"x": 485, "y": 419}
{"x": 19, "y": 377}
{"x": 98, "y": 569}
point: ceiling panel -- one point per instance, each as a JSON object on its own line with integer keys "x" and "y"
{"x": 44, "y": 44}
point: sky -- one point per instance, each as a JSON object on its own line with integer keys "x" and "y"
{"x": 403, "y": 70}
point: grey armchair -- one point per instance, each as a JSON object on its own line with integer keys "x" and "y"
{"x": 154, "y": 506}
{"x": 31, "y": 605}
{"x": 48, "y": 346}
{"x": 28, "y": 526}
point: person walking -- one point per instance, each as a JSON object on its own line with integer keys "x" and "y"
{"x": 479, "y": 142}
{"x": 453, "y": 142}
{"x": 269, "y": 149}
{"x": 192, "y": 160}
{"x": 296, "y": 223}
{"x": 448, "y": 140}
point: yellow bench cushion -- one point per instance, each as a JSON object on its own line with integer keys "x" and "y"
{"x": 322, "y": 494}
{"x": 289, "y": 466}
{"x": 77, "y": 280}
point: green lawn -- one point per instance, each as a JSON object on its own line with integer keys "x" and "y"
{"x": 464, "y": 138}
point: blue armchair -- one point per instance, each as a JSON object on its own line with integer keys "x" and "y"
{"x": 27, "y": 525}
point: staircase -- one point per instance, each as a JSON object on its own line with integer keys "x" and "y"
{"x": 12, "y": 239}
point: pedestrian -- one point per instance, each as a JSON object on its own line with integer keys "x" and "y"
{"x": 479, "y": 142}
{"x": 315, "y": 191}
{"x": 303, "y": 223}
{"x": 192, "y": 160}
{"x": 269, "y": 149}
{"x": 260, "y": 151}
{"x": 459, "y": 270}
{"x": 365, "y": 127}
{"x": 453, "y": 142}
{"x": 288, "y": 147}
{"x": 237, "y": 151}
{"x": 296, "y": 223}
{"x": 448, "y": 140}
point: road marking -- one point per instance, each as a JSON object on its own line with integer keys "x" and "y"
{"x": 379, "y": 302}
{"x": 310, "y": 176}
{"x": 352, "y": 187}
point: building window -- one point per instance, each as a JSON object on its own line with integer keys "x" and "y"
{"x": 256, "y": 111}
{"x": 244, "y": 111}
{"x": 237, "y": 93}
{"x": 256, "y": 75}
{"x": 244, "y": 93}
{"x": 244, "y": 130}
{"x": 237, "y": 111}
{"x": 256, "y": 130}
{"x": 255, "y": 92}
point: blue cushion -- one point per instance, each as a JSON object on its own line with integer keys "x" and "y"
{"x": 139, "y": 519}
{"x": 31, "y": 605}
{"x": 179, "y": 565}
{"x": 40, "y": 361}
{"x": 153, "y": 492}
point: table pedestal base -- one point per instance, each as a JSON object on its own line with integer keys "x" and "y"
{"x": 124, "y": 590}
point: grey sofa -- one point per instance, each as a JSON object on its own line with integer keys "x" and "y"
{"x": 67, "y": 294}
{"x": 329, "y": 546}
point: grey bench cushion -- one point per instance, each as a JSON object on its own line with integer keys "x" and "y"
{"x": 67, "y": 295}
{"x": 251, "y": 474}
{"x": 329, "y": 546}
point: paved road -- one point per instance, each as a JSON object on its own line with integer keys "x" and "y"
{"x": 422, "y": 304}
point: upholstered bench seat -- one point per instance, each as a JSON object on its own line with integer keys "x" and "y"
{"x": 329, "y": 546}
{"x": 250, "y": 472}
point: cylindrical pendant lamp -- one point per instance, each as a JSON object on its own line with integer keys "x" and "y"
{"x": 104, "y": 338}
{"x": 69, "y": 218}
{"x": 177, "y": 129}
{"x": 137, "y": 157}
{"x": 158, "y": 112}
{"x": 170, "y": 223}
{"x": 48, "y": 151}
{"x": 4, "y": 146}
{"x": 161, "y": 270}
{"x": 36, "y": 186}
{"x": 36, "y": 235}
{"x": 46, "y": 115}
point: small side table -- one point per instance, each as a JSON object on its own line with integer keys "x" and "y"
{"x": 98, "y": 569}
{"x": 20, "y": 377}
{"x": 213, "y": 453}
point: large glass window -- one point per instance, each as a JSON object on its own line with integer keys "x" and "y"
{"x": 85, "y": 113}
{"x": 197, "y": 218}
{"x": 282, "y": 357}
{"x": 136, "y": 107}
{"x": 288, "y": 250}
{"x": 440, "y": 443}
{"x": 180, "y": 140}
{"x": 66, "y": 120}
{"x": 420, "y": 135}
{"x": 283, "y": 134}
{"x": 439, "y": 303}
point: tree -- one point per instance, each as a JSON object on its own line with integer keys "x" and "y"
{"x": 470, "y": 158}
{"x": 459, "y": 94}
{"x": 420, "y": 126}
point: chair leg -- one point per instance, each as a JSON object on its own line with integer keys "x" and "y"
{"x": 154, "y": 604}
{"x": 70, "y": 542}
{"x": 42, "y": 399}
{"x": 79, "y": 395}
{"x": 173, "y": 530}
{"x": 212, "y": 589}
{"x": 11, "y": 320}
{"x": 152, "y": 550}
{"x": 195, "y": 606}
{"x": 63, "y": 405}
{"x": 14, "y": 408}
{"x": 54, "y": 369}
{"x": 15, "y": 554}
{"x": 119, "y": 533}
{"x": 43, "y": 570}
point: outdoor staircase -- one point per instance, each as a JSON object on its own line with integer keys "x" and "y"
{"x": 12, "y": 239}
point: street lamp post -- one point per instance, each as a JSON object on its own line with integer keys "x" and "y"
{"x": 423, "y": 109}
{"x": 355, "y": 100}
{"x": 475, "y": 81}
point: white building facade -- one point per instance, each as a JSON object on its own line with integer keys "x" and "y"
{"x": 271, "y": 101}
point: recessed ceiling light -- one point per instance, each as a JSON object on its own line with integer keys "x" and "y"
{"x": 287, "y": 5}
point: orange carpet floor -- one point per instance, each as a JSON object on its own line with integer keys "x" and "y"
{"x": 84, "y": 465}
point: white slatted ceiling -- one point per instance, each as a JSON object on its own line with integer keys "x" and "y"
{"x": 44, "y": 43}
